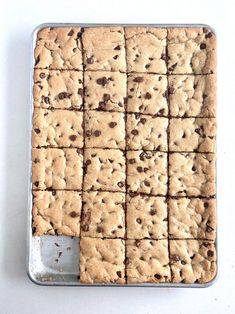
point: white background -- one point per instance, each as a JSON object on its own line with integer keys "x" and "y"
{"x": 17, "y": 293}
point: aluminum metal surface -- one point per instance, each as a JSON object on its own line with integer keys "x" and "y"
{"x": 54, "y": 260}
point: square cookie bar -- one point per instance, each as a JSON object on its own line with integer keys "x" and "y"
{"x": 105, "y": 90}
{"x": 146, "y": 132}
{"x": 147, "y": 261}
{"x": 104, "y": 170}
{"x": 102, "y": 260}
{"x": 192, "y": 95}
{"x": 191, "y": 174}
{"x": 147, "y": 93}
{"x": 103, "y": 215}
{"x": 146, "y": 49}
{"x": 55, "y": 168}
{"x": 192, "y": 134}
{"x": 58, "y": 48}
{"x": 104, "y": 49}
{"x": 192, "y": 218}
{"x": 146, "y": 217}
{"x": 105, "y": 129}
{"x": 58, "y": 128}
{"x": 56, "y": 212}
{"x": 191, "y": 50}
{"x": 147, "y": 172}
{"x": 192, "y": 261}
{"x": 57, "y": 89}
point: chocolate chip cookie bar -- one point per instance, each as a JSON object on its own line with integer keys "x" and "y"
{"x": 124, "y": 150}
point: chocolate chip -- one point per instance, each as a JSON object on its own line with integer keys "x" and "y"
{"x": 135, "y": 132}
{"x": 209, "y": 35}
{"x": 138, "y": 220}
{"x": 90, "y": 60}
{"x": 131, "y": 161}
{"x": 161, "y": 112}
{"x": 106, "y": 97}
{"x": 152, "y": 212}
{"x": 36, "y": 183}
{"x": 209, "y": 229}
{"x": 138, "y": 79}
{"x": 198, "y": 131}
{"x": 102, "y": 81}
{"x": 203, "y": 46}
{"x": 71, "y": 32}
{"x": 121, "y": 184}
{"x": 53, "y": 193}
{"x": 102, "y": 105}
{"x": 193, "y": 168}
{"x": 74, "y": 214}
{"x": 175, "y": 258}
{"x": 143, "y": 120}
{"x": 37, "y": 131}
{"x": 139, "y": 169}
{"x": 37, "y": 60}
{"x": 132, "y": 89}
{"x": 112, "y": 125}
{"x": 183, "y": 263}
{"x": 88, "y": 133}
{"x": 115, "y": 57}
{"x": 64, "y": 95}
{"x": 73, "y": 137}
{"x": 85, "y": 228}
{"x": 137, "y": 115}
{"x": 146, "y": 183}
{"x": 88, "y": 162}
{"x": 210, "y": 253}
{"x": 147, "y": 96}
{"x": 206, "y": 205}
{"x": 117, "y": 48}
{"x": 80, "y": 92}
{"x": 100, "y": 229}
{"x": 171, "y": 90}
{"x": 97, "y": 133}
{"x": 157, "y": 276}
{"x": 163, "y": 56}
{"x": 160, "y": 78}
{"x": 137, "y": 243}
{"x": 46, "y": 100}
{"x": 42, "y": 75}
{"x": 147, "y": 65}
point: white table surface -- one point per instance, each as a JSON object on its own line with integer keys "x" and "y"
{"x": 17, "y": 293}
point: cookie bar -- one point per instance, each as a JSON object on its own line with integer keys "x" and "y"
{"x": 58, "y": 48}
{"x": 105, "y": 129}
{"x": 58, "y": 128}
{"x": 146, "y": 49}
{"x": 103, "y": 215}
{"x": 191, "y": 50}
{"x": 57, "y": 89}
{"x": 147, "y": 172}
{"x": 102, "y": 261}
{"x": 192, "y": 218}
{"x": 192, "y": 261}
{"x": 56, "y": 212}
{"x": 146, "y": 132}
{"x": 192, "y": 95}
{"x": 191, "y": 174}
{"x": 105, "y": 90}
{"x": 147, "y": 261}
{"x": 104, "y": 48}
{"x": 104, "y": 170}
{"x": 147, "y": 93}
{"x": 192, "y": 134}
{"x": 55, "y": 168}
{"x": 146, "y": 217}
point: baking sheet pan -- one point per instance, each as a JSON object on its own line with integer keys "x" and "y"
{"x": 54, "y": 260}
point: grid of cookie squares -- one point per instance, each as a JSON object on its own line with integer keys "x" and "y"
{"x": 123, "y": 155}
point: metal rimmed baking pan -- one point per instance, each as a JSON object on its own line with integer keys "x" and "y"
{"x": 54, "y": 260}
